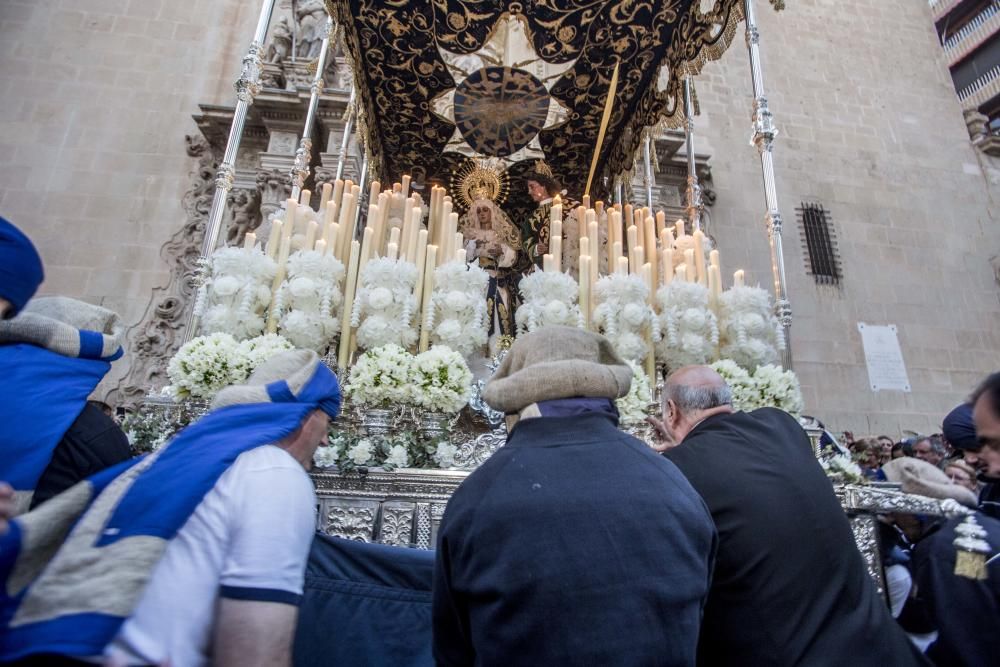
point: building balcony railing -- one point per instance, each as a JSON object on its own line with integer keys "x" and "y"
{"x": 982, "y": 90}
{"x": 983, "y": 26}
{"x": 941, "y": 7}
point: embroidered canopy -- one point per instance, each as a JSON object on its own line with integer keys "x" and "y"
{"x": 399, "y": 72}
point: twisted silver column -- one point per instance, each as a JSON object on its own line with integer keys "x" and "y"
{"x": 694, "y": 203}
{"x": 247, "y": 87}
{"x": 303, "y": 156}
{"x": 348, "y": 129}
{"x": 648, "y": 165}
{"x": 764, "y": 133}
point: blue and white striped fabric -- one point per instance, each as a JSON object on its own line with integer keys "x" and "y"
{"x": 72, "y": 600}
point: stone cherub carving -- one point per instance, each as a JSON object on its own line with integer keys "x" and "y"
{"x": 243, "y": 206}
{"x": 281, "y": 43}
{"x": 311, "y": 15}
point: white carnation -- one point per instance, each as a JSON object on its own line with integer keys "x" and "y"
{"x": 444, "y": 455}
{"x": 361, "y": 453}
{"x": 398, "y": 457}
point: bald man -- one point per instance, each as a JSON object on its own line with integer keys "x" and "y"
{"x": 789, "y": 586}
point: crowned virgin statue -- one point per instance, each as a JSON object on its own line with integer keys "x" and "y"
{"x": 493, "y": 241}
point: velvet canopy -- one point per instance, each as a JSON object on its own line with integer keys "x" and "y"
{"x": 399, "y": 71}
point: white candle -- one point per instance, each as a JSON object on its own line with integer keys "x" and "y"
{"x": 647, "y": 277}
{"x": 430, "y": 263}
{"x": 406, "y": 186}
{"x": 419, "y": 258}
{"x": 622, "y": 266}
{"x": 304, "y": 197}
{"x": 681, "y": 273}
{"x": 338, "y": 193}
{"x": 738, "y": 278}
{"x": 374, "y": 191}
{"x": 320, "y": 247}
{"x": 274, "y": 240}
{"x": 394, "y": 237}
{"x": 310, "y": 241}
{"x": 713, "y": 258}
{"x": 649, "y": 242}
{"x": 689, "y": 260}
{"x": 324, "y": 195}
{"x": 249, "y": 240}
{"x": 638, "y": 259}
{"x": 413, "y": 241}
{"x": 547, "y": 263}
{"x": 667, "y": 270}
{"x": 616, "y": 252}
{"x": 345, "y": 316}
{"x": 714, "y": 286}
{"x": 584, "y": 247}
{"x": 633, "y": 237}
{"x": 661, "y": 222}
{"x": 459, "y": 243}
{"x": 460, "y": 255}
{"x": 679, "y": 226}
{"x": 586, "y": 201}
{"x": 699, "y": 256}
{"x": 585, "y": 289}
{"x": 391, "y": 250}
{"x": 289, "y": 226}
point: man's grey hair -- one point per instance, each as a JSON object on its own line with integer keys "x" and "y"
{"x": 691, "y": 399}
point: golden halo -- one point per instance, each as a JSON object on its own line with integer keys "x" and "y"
{"x": 479, "y": 179}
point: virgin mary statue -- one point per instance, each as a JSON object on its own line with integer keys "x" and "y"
{"x": 493, "y": 241}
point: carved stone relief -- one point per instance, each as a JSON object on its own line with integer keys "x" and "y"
{"x": 243, "y": 209}
{"x": 155, "y": 338}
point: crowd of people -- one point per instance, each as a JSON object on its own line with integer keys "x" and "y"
{"x": 575, "y": 543}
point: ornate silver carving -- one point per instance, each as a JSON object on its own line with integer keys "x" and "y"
{"x": 396, "y": 526}
{"x": 355, "y": 522}
{"x": 472, "y": 453}
{"x": 157, "y": 335}
{"x": 865, "y": 498}
{"x": 783, "y": 311}
{"x": 865, "y": 529}
{"x": 248, "y": 85}
{"x": 424, "y": 525}
{"x": 300, "y": 169}
{"x": 752, "y": 35}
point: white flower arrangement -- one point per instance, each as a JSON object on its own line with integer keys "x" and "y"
{"x": 326, "y": 457}
{"x": 398, "y": 457}
{"x": 444, "y": 454}
{"x": 632, "y": 406}
{"x": 749, "y": 332}
{"x": 254, "y": 351}
{"x": 306, "y": 304}
{"x": 778, "y": 388}
{"x": 688, "y": 328}
{"x": 457, "y": 317}
{"x": 840, "y": 468}
{"x": 206, "y": 364}
{"x": 767, "y": 387}
{"x": 362, "y": 453}
{"x": 440, "y": 380}
{"x": 384, "y": 307}
{"x": 549, "y": 299}
{"x": 623, "y": 313}
{"x": 235, "y": 296}
{"x": 381, "y": 377}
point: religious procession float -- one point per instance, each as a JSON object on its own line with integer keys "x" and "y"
{"x": 412, "y": 283}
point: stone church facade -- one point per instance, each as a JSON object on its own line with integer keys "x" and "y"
{"x": 114, "y": 114}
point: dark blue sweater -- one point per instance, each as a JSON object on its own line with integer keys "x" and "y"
{"x": 574, "y": 544}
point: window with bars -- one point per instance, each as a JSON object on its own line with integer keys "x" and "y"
{"x": 819, "y": 240}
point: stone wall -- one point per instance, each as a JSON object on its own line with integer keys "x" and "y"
{"x": 96, "y": 98}
{"x": 871, "y": 129}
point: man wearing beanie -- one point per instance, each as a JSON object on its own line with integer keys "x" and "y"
{"x": 191, "y": 555}
{"x": 789, "y": 586}
{"x": 20, "y": 270}
{"x": 574, "y": 544}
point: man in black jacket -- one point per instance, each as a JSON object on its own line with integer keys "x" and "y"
{"x": 574, "y": 544}
{"x": 789, "y": 587}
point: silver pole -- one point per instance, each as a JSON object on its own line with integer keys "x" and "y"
{"x": 648, "y": 164}
{"x": 247, "y": 87}
{"x": 694, "y": 204}
{"x": 348, "y": 128}
{"x": 764, "y": 133}
{"x": 362, "y": 194}
{"x": 618, "y": 191}
{"x": 303, "y": 156}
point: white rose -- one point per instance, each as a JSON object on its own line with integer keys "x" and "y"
{"x": 379, "y": 298}
{"x": 753, "y": 323}
{"x": 694, "y": 318}
{"x": 226, "y": 286}
{"x": 449, "y": 329}
{"x": 361, "y": 452}
{"x": 302, "y": 287}
{"x": 398, "y": 457}
{"x": 444, "y": 456}
{"x": 634, "y": 314}
{"x": 457, "y": 300}
{"x": 556, "y": 311}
